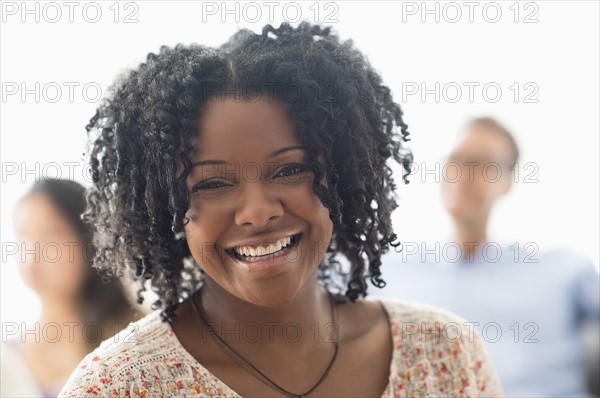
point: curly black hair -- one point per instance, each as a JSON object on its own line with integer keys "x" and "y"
{"x": 141, "y": 139}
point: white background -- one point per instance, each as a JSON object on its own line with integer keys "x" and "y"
{"x": 558, "y": 54}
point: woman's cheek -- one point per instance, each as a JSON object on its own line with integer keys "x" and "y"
{"x": 202, "y": 237}
{"x": 71, "y": 267}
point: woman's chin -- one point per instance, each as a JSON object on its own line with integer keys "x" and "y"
{"x": 276, "y": 297}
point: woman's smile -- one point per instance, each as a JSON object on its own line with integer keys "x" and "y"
{"x": 270, "y": 258}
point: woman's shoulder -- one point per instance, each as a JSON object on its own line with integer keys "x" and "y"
{"x": 144, "y": 350}
{"x": 141, "y": 339}
{"x": 435, "y": 345}
{"x": 412, "y": 311}
{"x": 429, "y": 325}
{"x": 17, "y": 379}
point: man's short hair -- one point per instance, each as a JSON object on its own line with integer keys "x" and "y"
{"x": 492, "y": 124}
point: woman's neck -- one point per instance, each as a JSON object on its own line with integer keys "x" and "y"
{"x": 59, "y": 312}
{"x": 61, "y": 325}
{"x": 298, "y": 325}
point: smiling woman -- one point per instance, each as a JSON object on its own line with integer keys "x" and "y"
{"x": 232, "y": 178}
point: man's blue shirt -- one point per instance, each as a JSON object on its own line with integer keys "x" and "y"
{"x": 529, "y": 307}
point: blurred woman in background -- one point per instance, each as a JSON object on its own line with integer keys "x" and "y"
{"x": 80, "y": 307}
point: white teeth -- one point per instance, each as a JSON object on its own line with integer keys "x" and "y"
{"x": 262, "y": 250}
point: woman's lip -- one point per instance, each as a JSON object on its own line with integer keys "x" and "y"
{"x": 272, "y": 262}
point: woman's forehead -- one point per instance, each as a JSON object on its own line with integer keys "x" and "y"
{"x": 36, "y": 211}
{"x": 233, "y": 128}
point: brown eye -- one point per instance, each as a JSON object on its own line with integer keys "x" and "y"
{"x": 292, "y": 170}
{"x": 208, "y": 185}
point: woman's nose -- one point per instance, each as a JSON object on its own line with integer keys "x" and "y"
{"x": 257, "y": 205}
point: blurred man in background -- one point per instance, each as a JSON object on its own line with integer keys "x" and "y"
{"x": 529, "y": 307}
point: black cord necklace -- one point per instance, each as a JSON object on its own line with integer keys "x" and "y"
{"x": 262, "y": 376}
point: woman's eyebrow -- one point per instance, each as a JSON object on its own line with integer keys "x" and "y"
{"x": 285, "y": 149}
{"x": 276, "y": 153}
{"x": 209, "y": 161}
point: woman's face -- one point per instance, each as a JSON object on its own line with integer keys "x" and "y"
{"x": 251, "y": 189}
{"x": 51, "y": 258}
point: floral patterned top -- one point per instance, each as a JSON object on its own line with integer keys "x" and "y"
{"x": 436, "y": 353}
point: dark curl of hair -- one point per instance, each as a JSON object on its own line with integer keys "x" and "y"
{"x": 141, "y": 139}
